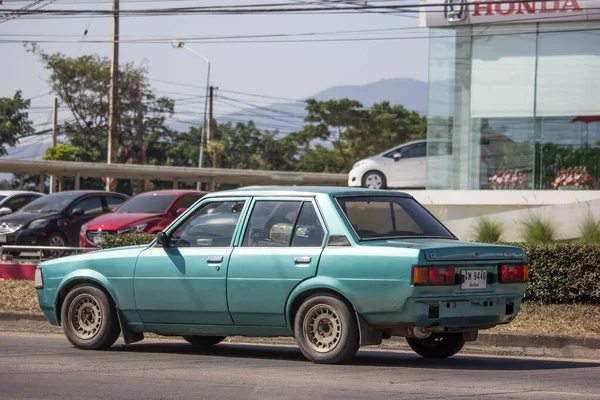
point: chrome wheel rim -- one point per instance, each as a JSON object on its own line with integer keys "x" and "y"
{"x": 322, "y": 328}
{"x": 85, "y": 316}
{"x": 373, "y": 181}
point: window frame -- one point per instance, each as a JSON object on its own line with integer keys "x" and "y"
{"x": 191, "y": 211}
{"x": 301, "y": 199}
{"x": 78, "y": 201}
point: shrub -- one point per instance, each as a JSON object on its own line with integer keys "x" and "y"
{"x": 538, "y": 229}
{"x": 563, "y": 272}
{"x": 130, "y": 239}
{"x": 589, "y": 230}
{"x": 488, "y": 230}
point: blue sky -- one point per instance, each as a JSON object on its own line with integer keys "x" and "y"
{"x": 289, "y": 70}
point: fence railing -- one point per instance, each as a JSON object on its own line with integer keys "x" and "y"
{"x": 37, "y": 253}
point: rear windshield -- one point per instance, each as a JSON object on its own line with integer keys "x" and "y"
{"x": 150, "y": 204}
{"x": 389, "y": 217}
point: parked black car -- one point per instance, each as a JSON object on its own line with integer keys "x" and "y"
{"x": 56, "y": 219}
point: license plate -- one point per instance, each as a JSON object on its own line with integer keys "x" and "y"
{"x": 98, "y": 240}
{"x": 474, "y": 279}
{"x": 2, "y": 238}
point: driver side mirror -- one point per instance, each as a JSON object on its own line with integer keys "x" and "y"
{"x": 77, "y": 212}
{"x": 5, "y": 210}
{"x": 397, "y": 156}
{"x": 162, "y": 239}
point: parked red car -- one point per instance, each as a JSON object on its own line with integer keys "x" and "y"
{"x": 148, "y": 213}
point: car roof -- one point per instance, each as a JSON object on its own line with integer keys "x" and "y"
{"x": 172, "y": 192}
{"x": 304, "y": 191}
{"x": 84, "y": 192}
{"x": 13, "y": 192}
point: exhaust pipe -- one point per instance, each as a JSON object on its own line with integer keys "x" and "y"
{"x": 423, "y": 333}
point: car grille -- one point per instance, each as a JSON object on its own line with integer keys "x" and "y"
{"x": 93, "y": 236}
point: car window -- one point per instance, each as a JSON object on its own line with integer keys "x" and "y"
{"x": 390, "y": 154}
{"x": 439, "y": 148}
{"x": 381, "y": 217}
{"x": 90, "y": 206}
{"x": 271, "y": 223}
{"x": 212, "y": 225}
{"x": 147, "y": 203}
{"x": 413, "y": 151}
{"x": 186, "y": 202}
{"x": 52, "y": 203}
{"x": 114, "y": 201}
{"x": 308, "y": 231}
{"x": 16, "y": 202}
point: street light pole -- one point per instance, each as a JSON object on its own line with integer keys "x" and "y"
{"x": 179, "y": 44}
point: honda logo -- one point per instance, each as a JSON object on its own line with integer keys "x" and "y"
{"x": 455, "y": 10}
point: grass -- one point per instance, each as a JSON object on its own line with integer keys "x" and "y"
{"x": 573, "y": 319}
{"x": 538, "y": 229}
{"x": 589, "y": 230}
{"x": 488, "y": 230}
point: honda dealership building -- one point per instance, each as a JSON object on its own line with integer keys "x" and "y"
{"x": 514, "y": 94}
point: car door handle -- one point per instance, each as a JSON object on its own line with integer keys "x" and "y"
{"x": 214, "y": 259}
{"x": 302, "y": 260}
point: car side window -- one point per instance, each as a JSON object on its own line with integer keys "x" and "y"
{"x": 113, "y": 201}
{"x": 185, "y": 202}
{"x": 212, "y": 225}
{"x": 415, "y": 150}
{"x": 390, "y": 154}
{"x": 17, "y": 202}
{"x": 90, "y": 206}
{"x": 271, "y": 223}
{"x": 308, "y": 231}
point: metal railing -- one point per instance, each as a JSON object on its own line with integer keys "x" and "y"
{"x": 7, "y": 252}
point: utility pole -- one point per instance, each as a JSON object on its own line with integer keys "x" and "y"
{"x": 54, "y": 137}
{"x": 140, "y": 131}
{"x": 113, "y": 112}
{"x": 213, "y": 154}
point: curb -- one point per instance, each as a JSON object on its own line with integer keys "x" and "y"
{"x": 489, "y": 343}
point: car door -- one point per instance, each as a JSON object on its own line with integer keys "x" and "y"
{"x": 281, "y": 247}
{"x": 410, "y": 169}
{"x": 185, "y": 282}
{"x": 80, "y": 212}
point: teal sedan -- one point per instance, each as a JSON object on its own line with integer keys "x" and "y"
{"x": 336, "y": 268}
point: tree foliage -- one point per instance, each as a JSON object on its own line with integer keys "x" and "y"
{"x": 14, "y": 120}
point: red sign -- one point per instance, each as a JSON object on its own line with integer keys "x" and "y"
{"x": 525, "y": 7}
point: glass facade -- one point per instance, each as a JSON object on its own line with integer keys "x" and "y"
{"x": 517, "y": 106}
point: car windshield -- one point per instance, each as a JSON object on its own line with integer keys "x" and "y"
{"x": 51, "y": 203}
{"x": 388, "y": 217}
{"x": 147, "y": 204}
{"x": 2, "y": 198}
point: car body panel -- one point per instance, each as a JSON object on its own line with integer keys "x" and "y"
{"x": 236, "y": 289}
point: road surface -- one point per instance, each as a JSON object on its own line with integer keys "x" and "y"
{"x": 45, "y": 366}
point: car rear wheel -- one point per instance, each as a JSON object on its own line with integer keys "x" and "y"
{"x": 374, "y": 180}
{"x": 89, "y": 319}
{"x": 326, "y": 330}
{"x": 438, "y": 345}
{"x": 204, "y": 340}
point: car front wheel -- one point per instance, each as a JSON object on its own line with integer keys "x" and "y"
{"x": 89, "y": 319}
{"x": 374, "y": 180}
{"x": 326, "y": 330}
{"x": 203, "y": 340}
{"x": 438, "y": 345}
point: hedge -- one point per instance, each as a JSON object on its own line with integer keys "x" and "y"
{"x": 558, "y": 272}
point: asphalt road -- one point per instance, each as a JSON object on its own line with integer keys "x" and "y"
{"x": 40, "y": 366}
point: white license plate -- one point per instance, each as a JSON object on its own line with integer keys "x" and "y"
{"x": 98, "y": 240}
{"x": 474, "y": 279}
{"x": 2, "y": 238}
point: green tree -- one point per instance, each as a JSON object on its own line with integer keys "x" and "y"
{"x": 14, "y": 120}
{"x": 62, "y": 152}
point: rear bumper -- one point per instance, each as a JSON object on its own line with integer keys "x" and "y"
{"x": 455, "y": 313}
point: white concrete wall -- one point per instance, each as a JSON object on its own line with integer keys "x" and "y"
{"x": 460, "y": 210}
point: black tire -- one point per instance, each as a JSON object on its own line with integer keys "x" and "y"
{"x": 204, "y": 340}
{"x": 337, "y": 330}
{"x": 89, "y": 318}
{"x": 438, "y": 345}
{"x": 51, "y": 241}
{"x": 376, "y": 174}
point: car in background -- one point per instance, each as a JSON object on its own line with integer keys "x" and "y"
{"x": 335, "y": 268}
{"x": 13, "y": 200}
{"x": 56, "y": 219}
{"x": 145, "y": 213}
{"x": 405, "y": 167}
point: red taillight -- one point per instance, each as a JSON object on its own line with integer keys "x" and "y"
{"x": 433, "y": 276}
{"x": 514, "y": 273}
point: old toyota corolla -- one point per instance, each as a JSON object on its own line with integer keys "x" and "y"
{"x": 336, "y": 268}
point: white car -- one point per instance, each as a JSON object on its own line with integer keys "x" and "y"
{"x": 403, "y": 166}
{"x": 13, "y": 200}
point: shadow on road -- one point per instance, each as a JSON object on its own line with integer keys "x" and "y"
{"x": 363, "y": 358}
